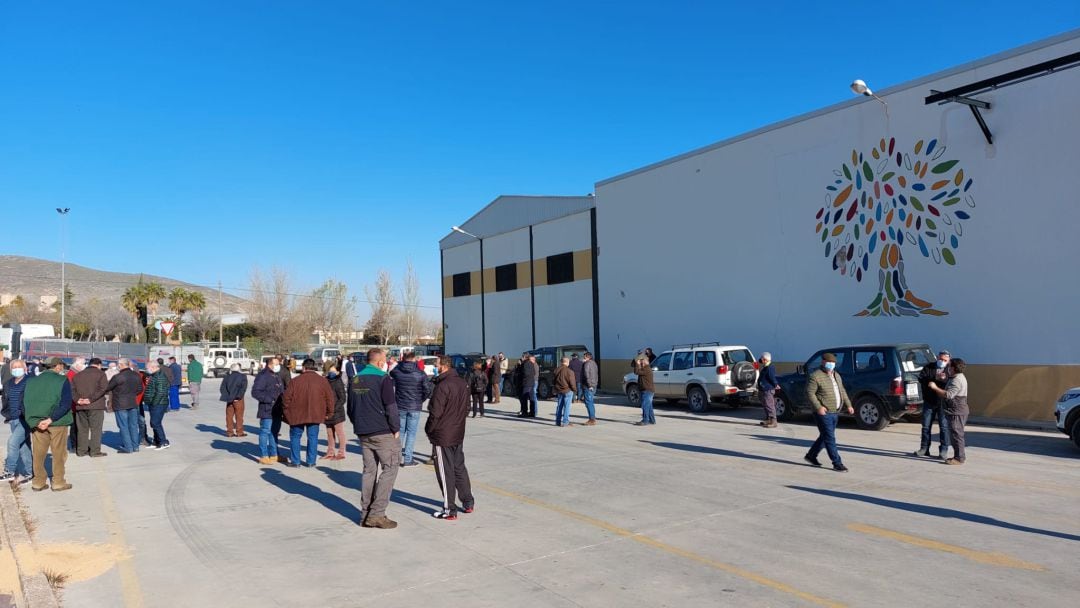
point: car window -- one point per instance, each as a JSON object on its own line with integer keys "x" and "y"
{"x": 915, "y": 359}
{"x": 547, "y": 359}
{"x": 869, "y": 361}
{"x": 662, "y": 362}
{"x": 683, "y": 360}
{"x": 815, "y": 363}
{"x": 705, "y": 358}
{"x": 738, "y": 356}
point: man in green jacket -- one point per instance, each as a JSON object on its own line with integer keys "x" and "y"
{"x": 825, "y": 391}
{"x": 194, "y": 379}
{"x": 47, "y": 411}
{"x": 156, "y": 400}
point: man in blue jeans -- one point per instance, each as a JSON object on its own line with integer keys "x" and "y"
{"x": 933, "y": 406}
{"x": 176, "y": 376}
{"x": 156, "y": 400}
{"x": 644, "y": 371}
{"x": 825, "y": 391}
{"x": 267, "y": 389}
{"x": 412, "y": 387}
{"x": 19, "y": 463}
{"x": 565, "y": 383}
{"x": 308, "y": 402}
{"x": 589, "y": 381}
{"x": 124, "y": 389}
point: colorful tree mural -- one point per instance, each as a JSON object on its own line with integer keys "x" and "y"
{"x": 889, "y": 202}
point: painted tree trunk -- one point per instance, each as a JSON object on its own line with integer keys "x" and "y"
{"x": 894, "y": 297}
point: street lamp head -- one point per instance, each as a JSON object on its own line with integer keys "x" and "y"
{"x": 460, "y": 230}
{"x": 859, "y": 88}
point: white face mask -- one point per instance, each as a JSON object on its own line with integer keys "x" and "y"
{"x": 276, "y": 369}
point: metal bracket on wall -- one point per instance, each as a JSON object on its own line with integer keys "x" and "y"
{"x": 974, "y": 105}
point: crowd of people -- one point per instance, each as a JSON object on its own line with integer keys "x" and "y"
{"x": 51, "y": 408}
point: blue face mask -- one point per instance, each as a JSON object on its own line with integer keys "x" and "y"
{"x": 830, "y": 366}
{"x": 17, "y": 372}
{"x": 941, "y": 364}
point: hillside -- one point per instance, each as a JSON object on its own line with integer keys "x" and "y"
{"x": 31, "y": 278}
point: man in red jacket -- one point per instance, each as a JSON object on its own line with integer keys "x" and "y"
{"x": 447, "y": 410}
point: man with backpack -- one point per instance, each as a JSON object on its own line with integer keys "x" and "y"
{"x": 478, "y": 383}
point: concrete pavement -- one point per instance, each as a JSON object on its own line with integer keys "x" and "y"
{"x": 696, "y": 511}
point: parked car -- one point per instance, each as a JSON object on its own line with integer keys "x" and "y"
{"x": 296, "y": 360}
{"x": 359, "y": 358}
{"x": 702, "y": 374}
{"x": 1067, "y": 414}
{"x": 325, "y": 353}
{"x": 881, "y": 379}
{"x": 218, "y": 361}
{"x": 430, "y": 365}
{"x": 548, "y": 358}
{"x": 464, "y": 363}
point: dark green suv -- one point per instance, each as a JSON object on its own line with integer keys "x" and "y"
{"x": 881, "y": 379}
{"x": 548, "y": 358}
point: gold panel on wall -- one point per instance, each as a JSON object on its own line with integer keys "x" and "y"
{"x": 489, "y": 280}
{"x": 448, "y": 287}
{"x": 540, "y": 270}
{"x": 583, "y": 265}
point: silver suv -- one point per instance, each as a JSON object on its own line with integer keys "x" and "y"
{"x": 701, "y": 374}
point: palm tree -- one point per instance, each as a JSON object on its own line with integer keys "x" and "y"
{"x": 141, "y": 300}
{"x": 905, "y": 200}
{"x": 181, "y": 301}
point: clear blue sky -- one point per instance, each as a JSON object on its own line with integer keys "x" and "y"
{"x": 192, "y": 139}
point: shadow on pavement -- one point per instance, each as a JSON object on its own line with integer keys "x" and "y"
{"x": 352, "y": 480}
{"x": 217, "y": 430}
{"x": 1041, "y": 445}
{"x": 247, "y": 449}
{"x": 911, "y": 507}
{"x": 720, "y": 452}
{"x": 333, "y": 503}
{"x": 806, "y": 443}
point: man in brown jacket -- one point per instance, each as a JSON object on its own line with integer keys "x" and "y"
{"x": 646, "y": 388}
{"x": 88, "y": 389}
{"x": 447, "y": 410}
{"x": 308, "y": 402}
{"x": 565, "y": 384}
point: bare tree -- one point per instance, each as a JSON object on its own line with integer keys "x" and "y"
{"x": 275, "y": 311}
{"x": 384, "y": 322}
{"x": 330, "y": 307}
{"x": 410, "y": 300}
{"x": 203, "y": 323}
{"x": 101, "y": 319}
{"x": 21, "y": 311}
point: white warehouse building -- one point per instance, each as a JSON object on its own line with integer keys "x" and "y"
{"x": 947, "y": 216}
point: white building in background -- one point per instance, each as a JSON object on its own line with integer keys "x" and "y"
{"x": 524, "y": 276}
{"x": 854, "y": 224}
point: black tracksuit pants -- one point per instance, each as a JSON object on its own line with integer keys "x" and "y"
{"x": 453, "y": 477}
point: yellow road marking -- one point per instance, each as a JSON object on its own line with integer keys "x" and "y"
{"x": 982, "y": 557}
{"x": 129, "y": 580}
{"x": 656, "y": 544}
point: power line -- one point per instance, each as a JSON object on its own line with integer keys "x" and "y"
{"x": 209, "y": 289}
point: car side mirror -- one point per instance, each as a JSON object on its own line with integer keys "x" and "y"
{"x": 800, "y": 369}
{"x": 656, "y": 369}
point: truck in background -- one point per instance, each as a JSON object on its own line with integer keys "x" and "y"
{"x": 13, "y": 336}
{"x": 110, "y": 352}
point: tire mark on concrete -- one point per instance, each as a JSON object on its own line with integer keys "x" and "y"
{"x": 180, "y": 517}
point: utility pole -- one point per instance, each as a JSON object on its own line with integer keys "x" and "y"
{"x": 221, "y": 320}
{"x": 63, "y": 270}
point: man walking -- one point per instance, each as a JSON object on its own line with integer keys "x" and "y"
{"x": 233, "y": 388}
{"x": 565, "y": 383}
{"x": 646, "y": 388}
{"x": 936, "y": 374}
{"x": 156, "y": 400}
{"x": 412, "y": 387}
{"x": 267, "y": 390}
{"x": 309, "y": 402}
{"x": 124, "y": 389}
{"x": 47, "y": 411}
{"x": 575, "y": 366}
{"x": 194, "y": 379}
{"x": 176, "y": 377}
{"x": 19, "y": 463}
{"x": 825, "y": 391}
{"x": 376, "y": 421}
{"x": 445, "y": 429}
{"x": 590, "y": 381}
{"x": 88, "y": 388}
{"x": 767, "y": 386}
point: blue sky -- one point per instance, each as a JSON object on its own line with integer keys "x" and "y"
{"x": 196, "y": 139}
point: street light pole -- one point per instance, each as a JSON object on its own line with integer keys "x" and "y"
{"x": 63, "y": 270}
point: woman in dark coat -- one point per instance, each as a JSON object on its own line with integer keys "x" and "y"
{"x": 335, "y": 425}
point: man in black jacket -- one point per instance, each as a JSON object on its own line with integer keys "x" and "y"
{"x": 411, "y": 387}
{"x": 124, "y": 389}
{"x": 530, "y": 376}
{"x": 279, "y": 406}
{"x": 933, "y": 410}
{"x": 445, "y": 429}
{"x": 233, "y": 388}
{"x": 374, "y": 414}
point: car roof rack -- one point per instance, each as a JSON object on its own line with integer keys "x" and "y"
{"x": 695, "y": 345}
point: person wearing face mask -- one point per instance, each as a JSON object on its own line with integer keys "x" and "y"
{"x": 267, "y": 390}
{"x": 825, "y": 391}
{"x": 19, "y": 463}
{"x": 335, "y": 424}
{"x": 767, "y": 390}
{"x": 936, "y": 373}
{"x": 954, "y": 402}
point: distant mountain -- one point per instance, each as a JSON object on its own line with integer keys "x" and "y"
{"x": 33, "y": 278}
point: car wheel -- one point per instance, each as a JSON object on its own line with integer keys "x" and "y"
{"x": 1075, "y": 433}
{"x": 508, "y": 388}
{"x": 870, "y": 413}
{"x": 699, "y": 401}
{"x": 543, "y": 391}
{"x": 633, "y": 395}
{"x": 785, "y": 410}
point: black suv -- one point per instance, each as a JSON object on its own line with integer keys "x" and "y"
{"x": 881, "y": 379}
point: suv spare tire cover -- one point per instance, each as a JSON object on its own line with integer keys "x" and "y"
{"x": 742, "y": 375}
{"x": 220, "y": 361}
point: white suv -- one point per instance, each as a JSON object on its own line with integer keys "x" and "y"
{"x": 701, "y": 374}
{"x": 1067, "y": 414}
{"x": 219, "y": 360}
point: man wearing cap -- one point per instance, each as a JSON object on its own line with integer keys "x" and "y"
{"x": 767, "y": 386}
{"x": 936, "y": 373}
{"x": 825, "y": 391}
{"x": 47, "y": 411}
